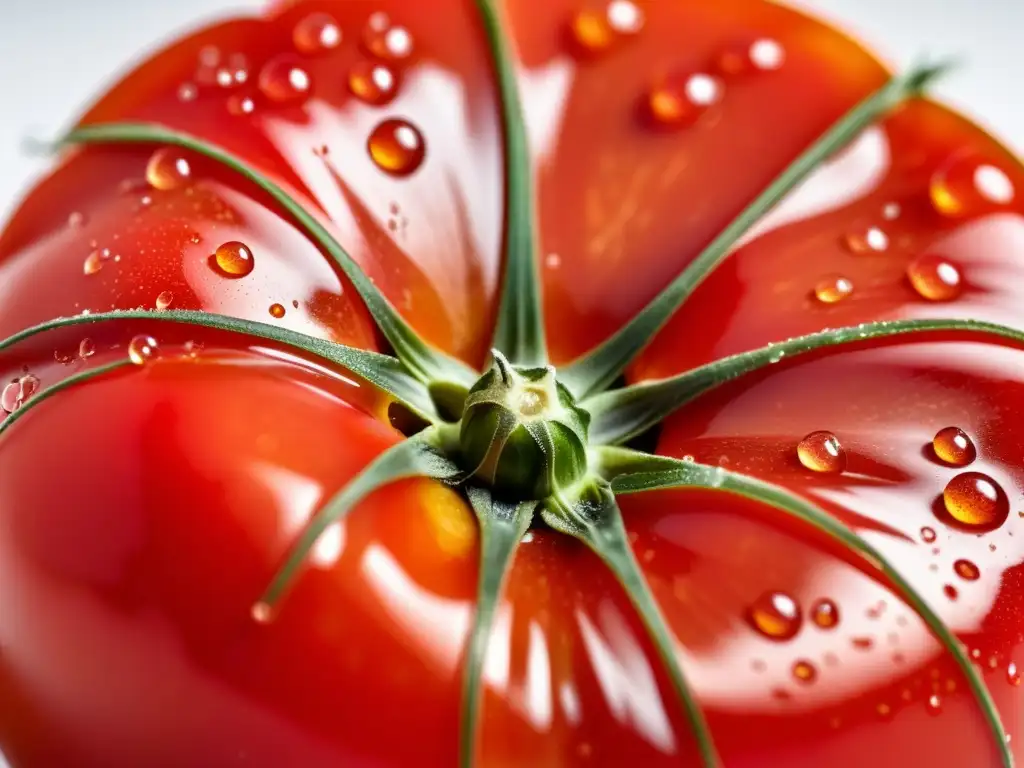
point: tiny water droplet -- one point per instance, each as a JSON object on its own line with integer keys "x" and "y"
{"x": 804, "y": 671}
{"x": 976, "y": 501}
{"x": 821, "y": 452}
{"x": 966, "y": 570}
{"x": 233, "y": 259}
{"x": 966, "y": 186}
{"x": 862, "y": 643}
{"x": 397, "y": 147}
{"x": 142, "y": 349}
{"x": 168, "y": 169}
{"x": 18, "y": 391}
{"x": 891, "y": 211}
{"x": 316, "y": 33}
{"x": 775, "y": 615}
{"x": 743, "y": 57}
{"x": 928, "y": 535}
{"x": 591, "y": 32}
{"x": 277, "y": 311}
{"x": 935, "y": 278}
{"x": 624, "y": 17}
{"x": 825, "y": 613}
{"x": 1012, "y": 674}
{"x": 385, "y": 40}
{"x": 240, "y": 104}
{"x": 86, "y": 348}
{"x": 953, "y": 446}
{"x": 934, "y": 704}
{"x": 873, "y": 240}
{"x": 164, "y": 300}
{"x": 285, "y": 81}
{"x": 679, "y": 100}
{"x": 262, "y": 613}
{"x": 883, "y": 710}
{"x": 767, "y": 54}
{"x": 187, "y": 92}
{"x": 371, "y": 82}
{"x": 833, "y": 288}
{"x": 76, "y": 219}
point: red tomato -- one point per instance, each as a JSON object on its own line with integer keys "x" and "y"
{"x": 142, "y": 514}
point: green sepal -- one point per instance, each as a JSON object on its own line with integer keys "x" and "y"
{"x": 621, "y": 414}
{"x": 384, "y": 372}
{"x": 427, "y": 364}
{"x": 519, "y": 332}
{"x": 419, "y": 456}
{"x": 594, "y": 518}
{"x": 598, "y": 369}
{"x": 502, "y": 525}
{"x": 633, "y": 472}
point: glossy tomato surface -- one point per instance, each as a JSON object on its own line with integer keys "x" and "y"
{"x": 142, "y": 514}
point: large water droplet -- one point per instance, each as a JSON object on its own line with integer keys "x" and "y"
{"x": 954, "y": 447}
{"x": 233, "y": 259}
{"x": 965, "y": 186}
{"x": 966, "y": 570}
{"x": 976, "y": 501}
{"x": 804, "y": 671}
{"x": 872, "y": 240}
{"x": 775, "y": 615}
{"x": 168, "y": 169}
{"x": 397, "y": 147}
{"x": 285, "y": 81}
{"x": 164, "y": 299}
{"x": 277, "y": 311}
{"x": 825, "y": 613}
{"x": 833, "y": 288}
{"x": 385, "y": 40}
{"x": 18, "y": 391}
{"x": 678, "y": 100}
{"x": 821, "y": 452}
{"x": 591, "y": 32}
{"x": 371, "y": 82}
{"x": 935, "y": 278}
{"x": 316, "y": 33}
{"x": 142, "y": 349}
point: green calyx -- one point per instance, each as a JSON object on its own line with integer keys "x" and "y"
{"x": 522, "y": 433}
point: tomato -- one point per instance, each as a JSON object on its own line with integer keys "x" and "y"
{"x": 144, "y": 512}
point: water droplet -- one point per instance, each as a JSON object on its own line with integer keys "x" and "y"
{"x": 386, "y": 40}
{"x": 833, "y": 288}
{"x": 825, "y": 613}
{"x": 187, "y": 92}
{"x": 804, "y": 671}
{"x": 18, "y": 391}
{"x": 950, "y": 591}
{"x": 883, "y": 710}
{"x": 168, "y": 169}
{"x": 240, "y": 104}
{"x": 233, "y": 259}
{"x": 775, "y": 615}
{"x": 372, "y": 83}
{"x": 873, "y": 240}
{"x": 743, "y": 57}
{"x": 934, "y": 277}
{"x": 624, "y": 17}
{"x": 262, "y": 613}
{"x": 767, "y": 54}
{"x": 93, "y": 263}
{"x": 965, "y": 186}
{"x": 1012, "y": 674}
{"x": 928, "y": 534}
{"x": 821, "y": 452}
{"x": 976, "y": 501}
{"x": 277, "y": 311}
{"x": 142, "y": 349}
{"x": 891, "y": 211}
{"x": 953, "y": 446}
{"x": 966, "y": 570}
{"x": 316, "y": 33}
{"x": 164, "y": 299}
{"x": 397, "y": 147}
{"x": 680, "y": 100}
{"x": 284, "y": 80}
{"x": 591, "y": 32}
{"x": 76, "y": 219}
{"x": 86, "y": 348}
{"x": 934, "y": 704}
{"x": 862, "y": 643}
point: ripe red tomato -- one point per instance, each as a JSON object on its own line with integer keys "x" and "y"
{"x": 143, "y": 513}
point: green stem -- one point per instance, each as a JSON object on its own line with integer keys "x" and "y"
{"x": 520, "y": 326}
{"x": 427, "y": 364}
{"x": 633, "y": 472}
{"x": 598, "y": 369}
{"x": 502, "y": 525}
{"x": 621, "y": 414}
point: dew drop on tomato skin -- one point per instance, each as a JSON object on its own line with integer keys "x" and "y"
{"x": 142, "y": 349}
{"x": 976, "y": 501}
{"x": 397, "y": 147}
{"x": 833, "y": 288}
{"x": 928, "y": 535}
{"x": 953, "y": 446}
{"x": 775, "y": 615}
{"x": 935, "y": 278}
{"x": 316, "y": 33}
{"x": 372, "y": 82}
{"x": 934, "y": 704}
{"x": 233, "y": 259}
{"x": 821, "y": 452}
{"x": 967, "y": 570}
{"x": 624, "y": 17}
{"x": 86, "y": 348}
{"x": 283, "y": 80}
{"x": 739, "y": 58}
{"x": 678, "y": 101}
{"x": 805, "y": 672}
{"x": 590, "y": 32}
{"x": 16, "y": 392}
{"x": 870, "y": 240}
{"x": 825, "y": 613}
{"x": 168, "y": 169}
{"x": 164, "y": 300}
{"x": 385, "y": 40}
{"x": 76, "y": 220}
{"x": 240, "y": 104}
{"x": 1012, "y": 674}
{"x": 966, "y": 186}
{"x": 277, "y": 311}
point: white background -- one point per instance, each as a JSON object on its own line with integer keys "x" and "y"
{"x": 56, "y": 54}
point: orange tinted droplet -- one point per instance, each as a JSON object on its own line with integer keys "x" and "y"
{"x": 386, "y": 40}
{"x": 591, "y": 32}
{"x": 277, "y": 311}
{"x": 142, "y": 349}
{"x": 833, "y": 288}
{"x": 18, "y": 391}
{"x": 825, "y": 613}
{"x": 804, "y": 671}
{"x": 966, "y": 570}
{"x": 678, "y": 100}
{"x": 397, "y": 147}
{"x": 976, "y": 501}
{"x": 283, "y": 80}
{"x": 164, "y": 300}
{"x": 775, "y": 615}
{"x": 966, "y": 186}
{"x": 93, "y": 263}
{"x": 928, "y": 535}
{"x": 372, "y": 83}
{"x": 821, "y": 452}
{"x": 86, "y": 348}
{"x": 239, "y": 104}
{"x": 953, "y": 446}
{"x": 233, "y": 259}
{"x": 935, "y": 278}
{"x": 168, "y": 169}
{"x": 1012, "y": 674}
{"x": 316, "y": 33}
{"x": 872, "y": 240}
